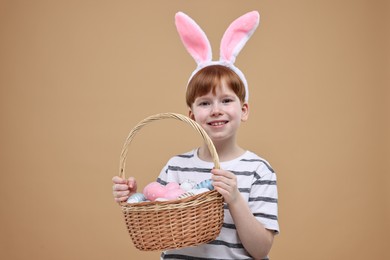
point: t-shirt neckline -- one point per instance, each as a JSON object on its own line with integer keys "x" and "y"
{"x": 224, "y": 164}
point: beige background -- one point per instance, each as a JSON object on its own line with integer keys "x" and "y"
{"x": 76, "y": 76}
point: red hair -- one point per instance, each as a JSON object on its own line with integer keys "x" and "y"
{"x": 209, "y": 78}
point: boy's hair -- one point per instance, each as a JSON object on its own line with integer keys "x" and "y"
{"x": 209, "y": 78}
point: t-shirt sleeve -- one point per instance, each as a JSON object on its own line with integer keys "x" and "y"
{"x": 163, "y": 176}
{"x": 263, "y": 198}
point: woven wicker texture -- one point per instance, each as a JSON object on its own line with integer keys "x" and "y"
{"x": 173, "y": 224}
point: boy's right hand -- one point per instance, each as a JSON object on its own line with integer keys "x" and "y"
{"x": 123, "y": 188}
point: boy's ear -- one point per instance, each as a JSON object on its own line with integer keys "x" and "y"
{"x": 244, "y": 112}
{"x": 190, "y": 114}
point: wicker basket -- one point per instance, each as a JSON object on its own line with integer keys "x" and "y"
{"x": 173, "y": 224}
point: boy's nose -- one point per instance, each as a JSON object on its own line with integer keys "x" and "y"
{"x": 216, "y": 110}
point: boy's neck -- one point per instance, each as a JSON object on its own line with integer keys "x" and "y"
{"x": 225, "y": 153}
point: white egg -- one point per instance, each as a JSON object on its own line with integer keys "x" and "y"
{"x": 199, "y": 191}
{"x": 136, "y": 197}
{"x": 161, "y": 199}
{"x": 187, "y": 185}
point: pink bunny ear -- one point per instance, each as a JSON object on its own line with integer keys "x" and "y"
{"x": 237, "y": 34}
{"x": 193, "y": 38}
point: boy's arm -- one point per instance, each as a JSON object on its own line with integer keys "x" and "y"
{"x": 256, "y": 239}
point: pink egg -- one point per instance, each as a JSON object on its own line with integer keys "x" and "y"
{"x": 172, "y": 186}
{"x": 173, "y": 194}
{"x": 154, "y": 190}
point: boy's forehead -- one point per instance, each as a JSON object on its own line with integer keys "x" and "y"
{"x": 221, "y": 88}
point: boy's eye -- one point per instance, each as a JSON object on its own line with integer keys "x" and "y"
{"x": 203, "y": 103}
{"x": 227, "y": 100}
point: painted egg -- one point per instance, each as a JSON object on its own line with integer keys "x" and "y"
{"x": 186, "y": 195}
{"x": 172, "y": 186}
{"x": 154, "y": 190}
{"x": 136, "y": 197}
{"x": 187, "y": 185}
{"x": 205, "y": 184}
{"x": 173, "y": 194}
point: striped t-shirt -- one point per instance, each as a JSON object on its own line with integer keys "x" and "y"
{"x": 257, "y": 184}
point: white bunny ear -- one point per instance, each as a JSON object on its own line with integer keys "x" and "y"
{"x": 193, "y": 38}
{"x": 237, "y": 34}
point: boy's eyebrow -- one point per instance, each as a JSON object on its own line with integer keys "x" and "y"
{"x": 229, "y": 95}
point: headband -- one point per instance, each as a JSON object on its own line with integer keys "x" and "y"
{"x": 233, "y": 40}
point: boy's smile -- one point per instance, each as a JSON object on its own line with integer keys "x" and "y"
{"x": 218, "y": 123}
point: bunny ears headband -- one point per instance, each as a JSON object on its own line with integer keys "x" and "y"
{"x": 234, "y": 39}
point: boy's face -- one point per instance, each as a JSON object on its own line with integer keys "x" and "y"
{"x": 219, "y": 114}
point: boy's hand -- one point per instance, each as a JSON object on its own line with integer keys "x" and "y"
{"x": 122, "y": 188}
{"x": 225, "y": 182}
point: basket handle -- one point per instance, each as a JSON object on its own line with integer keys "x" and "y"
{"x": 156, "y": 117}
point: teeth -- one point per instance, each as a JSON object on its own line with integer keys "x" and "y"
{"x": 217, "y": 123}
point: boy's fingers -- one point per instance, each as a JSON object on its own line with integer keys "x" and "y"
{"x": 120, "y": 187}
{"x": 219, "y": 172}
{"x": 132, "y": 183}
{"x": 118, "y": 180}
{"x": 214, "y": 171}
{"x": 121, "y": 194}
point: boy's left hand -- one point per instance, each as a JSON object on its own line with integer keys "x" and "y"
{"x": 225, "y": 182}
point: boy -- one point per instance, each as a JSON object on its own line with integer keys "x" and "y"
{"x": 216, "y": 96}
